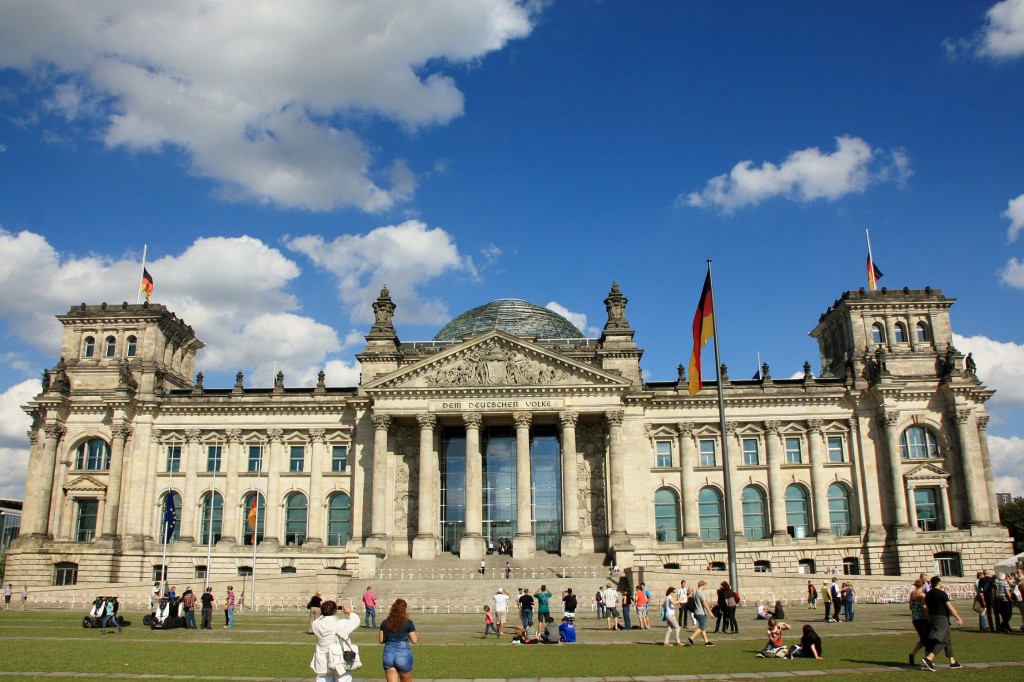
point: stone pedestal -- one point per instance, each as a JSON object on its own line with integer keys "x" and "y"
{"x": 369, "y": 560}
{"x": 473, "y": 547}
{"x": 424, "y": 547}
{"x": 572, "y": 545}
{"x": 524, "y": 546}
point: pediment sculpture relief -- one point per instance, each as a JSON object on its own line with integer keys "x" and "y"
{"x": 491, "y": 364}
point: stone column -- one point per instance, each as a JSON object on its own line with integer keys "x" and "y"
{"x": 473, "y": 545}
{"x": 819, "y": 481}
{"x": 233, "y": 512}
{"x": 912, "y": 508}
{"x": 271, "y": 460}
{"x": 572, "y": 542}
{"x": 776, "y": 484}
{"x": 525, "y": 545}
{"x": 425, "y": 544}
{"x": 315, "y": 514}
{"x": 688, "y": 485}
{"x": 977, "y": 509}
{"x": 378, "y": 505}
{"x": 891, "y": 418}
{"x": 617, "y": 489}
{"x": 982, "y": 421}
{"x": 156, "y": 461}
{"x": 119, "y": 434}
{"x": 736, "y": 454}
{"x": 947, "y": 522}
{"x": 36, "y": 520}
{"x": 193, "y": 459}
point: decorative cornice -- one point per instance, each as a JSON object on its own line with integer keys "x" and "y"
{"x": 56, "y": 431}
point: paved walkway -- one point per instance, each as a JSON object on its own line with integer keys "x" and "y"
{"x": 645, "y": 678}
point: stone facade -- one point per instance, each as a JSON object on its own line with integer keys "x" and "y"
{"x": 879, "y": 465}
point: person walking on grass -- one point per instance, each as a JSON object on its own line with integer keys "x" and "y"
{"x": 919, "y": 617}
{"x": 110, "y": 615}
{"x": 500, "y": 609}
{"x": 701, "y": 610}
{"x": 940, "y": 609}
{"x": 24, "y": 597}
{"x": 669, "y": 608}
{"x": 489, "y": 625}
{"x": 398, "y": 634}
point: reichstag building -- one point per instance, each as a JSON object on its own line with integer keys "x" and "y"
{"x": 508, "y": 424}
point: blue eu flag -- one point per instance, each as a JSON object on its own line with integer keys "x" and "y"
{"x": 170, "y": 518}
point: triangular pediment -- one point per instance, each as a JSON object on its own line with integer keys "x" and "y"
{"x": 496, "y": 360}
{"x": 926, "y": 472}
{"x": 85, "y": 486}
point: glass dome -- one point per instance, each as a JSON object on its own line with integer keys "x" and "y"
{"x": 512, "y": 316}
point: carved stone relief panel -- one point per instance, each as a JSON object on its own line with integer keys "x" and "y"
{"x": 406, "y": 471}
{"x": 493, "y": 363}
{"x": 590, "y": 443}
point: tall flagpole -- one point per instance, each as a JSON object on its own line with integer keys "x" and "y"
{"x": 138, "y": 294}
{"x": 730, "y": 540}
{"x": 209, "y": 528}
{"x": 871, "y": 259}
{"x": 259, "y": 477}
{"x": 164, "y": 533}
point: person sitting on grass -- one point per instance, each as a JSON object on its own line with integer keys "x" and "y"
{"x": 550, "y": 634}
{"x": 761, "y": 613}
{"x": 774, "y": 648}
{"x": 527, "y": 635}
{"x": 809, "y": 646}
{"x": 567, "y": 631}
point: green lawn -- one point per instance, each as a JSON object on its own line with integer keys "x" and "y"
{"x": 276, "y": 646}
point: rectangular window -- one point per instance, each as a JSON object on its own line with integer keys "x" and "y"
{"x": 663, "y": 453}
{"x": 200, "y": 573}
{"x": 255, "y": 458}
{"x": 708, "y": 454}
{"x": 65, "y": 574}
{"x": 926, "y": 503}
{"x": 297, "y": 458}
{"x": 173, "y": 458}
{"x": 751, "y": 452}
{"x": 213, "y": 453}
{"x": 85, "y": 526}
{"x": 159, "y": 572}
{"x": 835, "y": 449}
{"x": 793, "y": 452}
{"x": 339, "y": 458}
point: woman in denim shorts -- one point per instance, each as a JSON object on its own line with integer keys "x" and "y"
{"x": 398, "y": 634}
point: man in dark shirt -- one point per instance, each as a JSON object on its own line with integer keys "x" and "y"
{"x": 526, "y": 607}
{"x": 569, "y": 603}
{"x": 985, "y": 586}
{"x": 207, "y": 601}
{"x": 939, "y": 611}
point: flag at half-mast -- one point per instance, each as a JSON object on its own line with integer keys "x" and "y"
{"x": 703, "y": 329}
{"x": 147, "y": 283}
{"x": 251, "y": 518}
{"x": 874, "y": 274}
{"x": 170, "y": 517}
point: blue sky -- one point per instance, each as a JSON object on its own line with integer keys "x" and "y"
{"x": 283, "y": 161}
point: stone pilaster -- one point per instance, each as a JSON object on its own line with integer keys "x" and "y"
{"x": 890, "y": 420}
{"x": 688, "y": 484}
{"x": 119, "y": 434}
{"x": 272, "y": 459}
{"x": 35, "y": 522}
{"x": 316, "y": 514}
{"x": 617, "y": 470}
{"x": 233, "y": 512}
{"x": 193, "y": 460}
{"x": 571, "y": 540}
{"x": 982, "y": 422}
{"x": 425, "y": 544}
{"x": 776, "y": 484}
{"x": 819, "y": 482}
{"x": 976, "y": 505}
{"x": 525, "y": 545}
{"x": 473, "y": 545}
{"x": 378, "y": 521}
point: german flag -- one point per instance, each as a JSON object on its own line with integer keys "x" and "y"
{"x": 251, "y": 518}
{"x": 147, "y": 283}
{"x": 703, "y": 329}
{"x": 874, "y": 274}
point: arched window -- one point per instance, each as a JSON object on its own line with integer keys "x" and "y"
{"x": 132, "y": 347}
{"x": 110, "y": 347}
{"x": 918, "y": 442}
{"x": 213, "y": 518}
{"x": 755, "y": 513}
{"x": 878, "y": 333}
{"x": 339, "y": 520}
{"x": 900, "y": 332}
{"x": 164, "y": 520}
{"x": 798, "y": 511}
{"x": 248, "y": 516}
{"x": 839, "y": 509}
{"x": 666, "y": 515}
{"x": 65, "y": 573}
{"x": 93, "y": 455}
{"x": 922, "y": 332}
{"x": 89, "y": 349}
{"x": 709, "y": 504}
{"x": 295, "y": 508}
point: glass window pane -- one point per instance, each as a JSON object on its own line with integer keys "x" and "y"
{"x": 295, "y": 519}
{"x": 213, "y": 454}
{"x": 663, "y": 453}
{"x": 798, "y": 511}
{"x": 85, "y": 526}
{"x": 212, "y": 519}
{"x": 339, "y": 458}
{"x": 793, "y": 451}
{"x": 707, "y": 453}
{"x": 255, "y": 463}
{"x": 132, "y": 346}
{"x": 839, "y": 509}
{"x": 666, "y": 515}
{"x": 835, "y": 449}
{"x": 247, "y": 526}
{"x": 709, "y": 503}
{"x": 297, "y": 458}
{"x": 339, "y": 520}
{"x": 751, "y": 452}
{"x": 755, "y": 521}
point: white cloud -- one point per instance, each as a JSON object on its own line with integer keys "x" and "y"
{"x": 1006, "y": 455}
{"x": 261, "y": 95}
{"x": 14, "y": 424}
{"x": 1000, "y": 366}
{"x": 403, "y": 257}
{"x": 232, "y": 291}
{"x": 1003, "y": 34}
{"x": 578, "y": 319}
{"x": 1015, "y": 214}
{"x": 1013, "y": 274}
{"x": 804, "y": 176}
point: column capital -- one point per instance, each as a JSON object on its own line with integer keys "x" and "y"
{"x": 685, "y": 428}
{"x": 568, "y": 418}
{"x": 614, "y": 417}
{"x": 233, "y": 435}
{"x": 473, "y": 420}
{"x": 192, "y": 435}
{"x": 982, "y": 422}
{"x": 156, "y": 435}
{"x": 522, "y": 419}
{"x": 54, "y": 430}
{"x": 275, "y": 435}
{"x": 772, "y": 425}
{"x": 814, "y": 425}
{"x": 427, "y": 422}
{"x": 730, "y": 428}
{"x": 317, "y": 435}
{"x": 121, "y": 431}
{"x": 889, "y": 417}
{"x": 381, "y": 422}
{"x": 962, "y": 415}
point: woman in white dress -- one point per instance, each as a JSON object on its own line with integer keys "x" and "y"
{"x": 329, "y": 631}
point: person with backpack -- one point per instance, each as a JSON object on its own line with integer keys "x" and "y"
{"x": 812, "y": 595}
{"x": 188, "y": 601}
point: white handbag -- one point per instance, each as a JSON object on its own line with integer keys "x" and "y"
{"x": 350, "y": 656}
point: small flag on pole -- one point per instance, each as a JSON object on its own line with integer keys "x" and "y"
{"x": 251, "y": 519}
{"x": 170, "y": 517}
{"x": 147, "y": 283}
{"x": 874, "y": 274}
{"x": 703, "y": 329}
